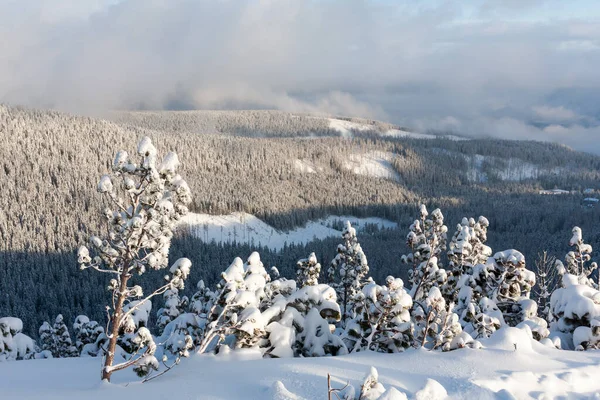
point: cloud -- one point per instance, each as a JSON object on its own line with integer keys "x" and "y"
{"x": 476, "y": 66}
{"x": 548, "y": 113}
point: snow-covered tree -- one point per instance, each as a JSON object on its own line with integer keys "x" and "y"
{"x": 480, "y": 318}
{"x": 14, "y": 345}
{"x": 436, "y": 326}
{"x": 577, "y": 261}
{"x": 575, "y": 309}
{"x": 56, "y": 339}
{"x": 148, "y": 198}
{"x": 242, "y": 288}
{"x": 180, "y": 335}
{"x": 271, "y": 316}
{"x": 202, "y": 301}
{"x": 371, "y": 389}
{"x": 350, "y": 265}
{"x": 382, "y": 321}
{"x": 172, "y": 309}
{"x": 308, "y": 271}
{"x": 62, "y": 339}
{"x": 427, "y": 240}
{"x": 47, "y": 341}
{"x": 508, "y": 281}
{"x": 86, "y": 333}
{"x": 467, "y": 249}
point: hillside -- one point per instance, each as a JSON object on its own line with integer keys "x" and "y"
{"x": 286, "y": 170}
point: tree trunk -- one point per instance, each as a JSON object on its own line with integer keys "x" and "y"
{"x": 114, "y": 334}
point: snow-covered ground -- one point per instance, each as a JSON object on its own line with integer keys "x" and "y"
{"x": 347, "y": 127}
{"x": 532, "y": 371}
{"x": 514, "y": 170}
{"x": 246, "y": 228}
{"x": 376, "y": 164}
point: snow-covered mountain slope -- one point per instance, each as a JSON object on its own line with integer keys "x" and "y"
{"x": 346, "y": 128}
{"x": 495, "y": 372}
{"x": 505, "y": 169}
{"x": 246, "y": 228}
{"x": 376, "y": 164}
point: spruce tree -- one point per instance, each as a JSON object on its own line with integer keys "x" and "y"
{"x": 62, "y": 339}
{"x": 350, "y": 265}
{"x": 308, "y": 271}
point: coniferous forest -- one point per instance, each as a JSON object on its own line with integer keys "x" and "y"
{"x": 446, "y": 285}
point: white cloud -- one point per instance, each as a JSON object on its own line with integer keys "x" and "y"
{"x": 416, "y": 65}
{"x": 548, "y": 113}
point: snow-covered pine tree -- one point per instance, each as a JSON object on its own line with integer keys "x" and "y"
{"x": 140, "y": 227}
{"x": 202, "y": 301}
{"x": 308, "y": 271}
{"x": 575, "y": 309}
{"x": 170, "y": 311}
{"x": 436, "y": 326}
{"x": 241, "y": 290}
{"x": 272, "y": 317}
{"x": 14, "y": 345}
{"x": 467, "y": 249}
{"x": 47, "y": 338}
{"x": 427, "y": 240}
{"x": 577, "y": 260}
{"x": 311, "y": 311}
{"x": 382, "y": 321}
{"x": 86, "y": 332}
{"x": 350, "y": 265}
{"x": 62, "y": 339}
{"x": 509, "y": 282}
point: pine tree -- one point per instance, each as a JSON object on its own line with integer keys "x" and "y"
{"x": 382, "y": 321}
{"x": 171, "y": 309}
{"x": 62, "y": 339}
{"x": 427, "y": 240}
{"x": 140, "y": 228}
{"x": 47, "y": 338}
{"x": 576, "y": 260}
{"x": 86, "y": 333}
{"x": 467, "y": 249}
{"x": 351, "y": 266}
{"x": 308, "y": 271}
{"x": 436, "y": 326}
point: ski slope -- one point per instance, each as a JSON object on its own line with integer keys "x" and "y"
{"x": 498, "y": 371}
{"x": 246, "y": 228}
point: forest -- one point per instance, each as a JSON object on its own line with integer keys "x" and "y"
{"x": 245, "y": 161}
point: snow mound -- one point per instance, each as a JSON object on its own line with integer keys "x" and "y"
{"x": 393, "y": 394}
{"x": 279, "y": 392}
{"x": 377, "y": 164}
{"x": 433, "y": 390}
{"x": 246, "y": 228}
{"x": 510, "y": 339}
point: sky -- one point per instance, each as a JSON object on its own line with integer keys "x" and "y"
{"x": 517, "y": 69}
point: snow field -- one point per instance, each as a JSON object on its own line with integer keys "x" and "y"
{"x": 246, "y": 228}
{"x": 497, "y": 371}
